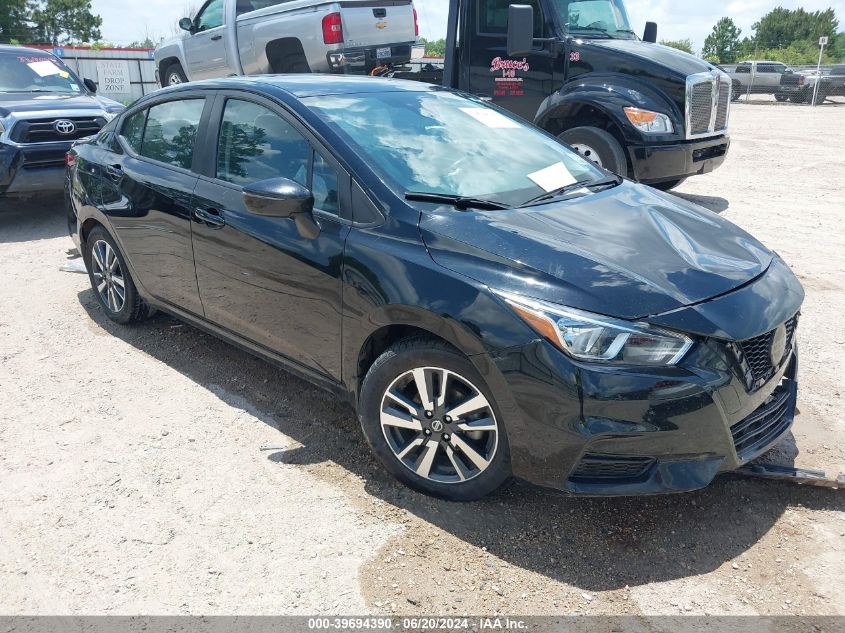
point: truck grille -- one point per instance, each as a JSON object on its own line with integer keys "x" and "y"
{"x": 754, "y": 355}
{"x": 44, "y": 130}
{"x": 708, "y": 104}
{"x": 766, "y": 424}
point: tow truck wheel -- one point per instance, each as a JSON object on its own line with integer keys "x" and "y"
{"x": 668, "y": 185}
{"x": 598, "y": 146}
{"x": 781, "y": 97}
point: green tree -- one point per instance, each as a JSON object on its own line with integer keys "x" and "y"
{"x": 681, "y": 45}
{"x": 59, "y": 22}
{"x": 436, "y": 48}
{"x": 782, "y": 27}
{"x": 14, "y": 24}
{"x": 722, "y": 45}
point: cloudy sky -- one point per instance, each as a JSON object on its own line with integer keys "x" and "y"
{"x": 128, "y": 20}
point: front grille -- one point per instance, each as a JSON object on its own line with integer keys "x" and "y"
{"x": 766, "y": 424}
{"x": 44, "y": 131}
{"x": 701, "y": 107}
{"x": 708, "y": 103}
{"x": 603, "y": 467}
{"x": 723, "y": 105}
{"x": 755, "y": 358}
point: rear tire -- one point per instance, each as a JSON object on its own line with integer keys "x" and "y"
{"x": 407, "y": 421}
{"x": 780, "y": 97}
{"x": 174, "y": 75}
{"x": 597, "y": 146}
{"x": 110, "y": 279}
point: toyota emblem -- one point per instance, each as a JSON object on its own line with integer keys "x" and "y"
{"x": 65, "y": 127}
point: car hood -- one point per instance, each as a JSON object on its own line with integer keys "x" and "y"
{"x": 629, "y": 252}
{"x": 16, "y": 102}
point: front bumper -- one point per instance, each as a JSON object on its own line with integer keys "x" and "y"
{"x": 31, "y": 169}
{"x": 599, "y": 431}
{"x": 660, "y": 163}
{"x": 364, "y": 60}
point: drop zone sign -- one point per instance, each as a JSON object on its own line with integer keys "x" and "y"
{"x": 114, "y": 78}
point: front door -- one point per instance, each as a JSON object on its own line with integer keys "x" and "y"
{"x": 148, "y": 191}
{"x": 517, "y": 84}
{"x": 258, "y": 277}
{"x": 205, "y": 47}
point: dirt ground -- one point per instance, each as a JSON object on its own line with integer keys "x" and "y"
{"x": 156, "y": 470}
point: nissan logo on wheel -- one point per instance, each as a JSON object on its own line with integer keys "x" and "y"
{"x": 65, "y": 127}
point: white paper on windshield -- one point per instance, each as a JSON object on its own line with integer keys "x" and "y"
{"x": 491, "y": 118}
{"x": 553, "y": 177}
{"x": 45, "y": 68}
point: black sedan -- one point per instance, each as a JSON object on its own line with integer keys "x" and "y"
{"x": 491, "y": 303}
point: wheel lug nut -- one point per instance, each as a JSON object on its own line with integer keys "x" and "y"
{"x": 429, "y": 414}
{"x": 448, "y": 420}
{"x": 447, "y": 437}
{"x": 427, "y": 432}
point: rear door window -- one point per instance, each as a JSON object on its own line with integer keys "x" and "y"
{"x": 171, "y": 132}
{"x": 133, "y": 130}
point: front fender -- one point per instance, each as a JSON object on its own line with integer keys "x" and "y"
{"x": 609, "y": 94}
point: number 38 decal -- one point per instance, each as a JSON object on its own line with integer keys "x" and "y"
{"x": 575, "y": 56}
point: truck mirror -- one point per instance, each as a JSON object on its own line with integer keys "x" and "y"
{"x": 186, "y": 24}
{"x": 520, "y": 29}
{"x": 650, "y": 34}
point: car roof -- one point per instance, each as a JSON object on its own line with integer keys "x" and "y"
{"x": 308, "y": 85}
{"x": 5, "y": 48}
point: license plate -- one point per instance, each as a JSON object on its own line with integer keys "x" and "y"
{"x": 382, "y": 53}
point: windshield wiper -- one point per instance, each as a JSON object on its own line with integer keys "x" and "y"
{"x": 611, "y": 181}
{"x": 462, "y": 203}
{"x": 578, "y": 30}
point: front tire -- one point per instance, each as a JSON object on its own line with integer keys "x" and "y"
{"x": 668, "y": 185}
{"x": 433, "y": 423}
{"x": 110, "y": 279}
{"x": 175, "y": 75}
{"x": 597, "y": 146}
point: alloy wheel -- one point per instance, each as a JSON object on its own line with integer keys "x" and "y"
{"x": 108, "y": 276}
{"x": 588, "y": 152}
{"x": 439, "y": 425}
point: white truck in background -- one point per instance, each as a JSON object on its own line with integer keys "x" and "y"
{"x": 254, "y": 37}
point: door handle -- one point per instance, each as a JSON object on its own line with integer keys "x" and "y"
{"x": 211, "y": 217}
{"x": 115, "y": 172}
{"x": 215, "y": 38}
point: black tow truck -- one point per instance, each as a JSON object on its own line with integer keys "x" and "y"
{"x": 576, "y": 69}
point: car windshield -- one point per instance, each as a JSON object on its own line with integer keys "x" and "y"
{"x": 595, "y": 18}
{"x": 25, "y": 72}
{"x": 443, "y": 143}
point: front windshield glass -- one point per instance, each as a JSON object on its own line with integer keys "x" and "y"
{"x": 24, "y": 72}
{"x": 443, "y": 143}
{"x": 595, "y": 18}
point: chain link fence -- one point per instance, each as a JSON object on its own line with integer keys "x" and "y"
{"x": 775, "y": 82}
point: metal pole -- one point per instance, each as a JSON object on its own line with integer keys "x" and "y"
{"x": 818, "y": 76}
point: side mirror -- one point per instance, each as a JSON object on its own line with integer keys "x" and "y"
{"x": 520, "y": 29}
{"x": 650, "y": 34}
{"x": 91, "y": 85}
{"x": 283, "y": 198}
{"x": 186, "y": 24}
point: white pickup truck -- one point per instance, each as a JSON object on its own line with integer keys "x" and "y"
{"x": 253, "y": 37}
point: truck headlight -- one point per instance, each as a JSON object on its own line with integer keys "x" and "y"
{"x": 109, "y": 116}
{"x": 649, "y": 122}
{"x": 596, "y": 338}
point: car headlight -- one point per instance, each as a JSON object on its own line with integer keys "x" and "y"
{"x": 596, "y": 338}
{"x": 109, "y": 116}
{"x": 649, "y": 122}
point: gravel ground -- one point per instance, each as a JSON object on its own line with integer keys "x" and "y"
{"x": 157, "y": 470}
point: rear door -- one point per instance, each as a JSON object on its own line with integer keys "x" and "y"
{"x": 148, "y": 194}
{"x": 372, "y": 23}
{"x": 205, "y": 48}
{"x": 258, "y": 277}
{"x": 518, "y": 84}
